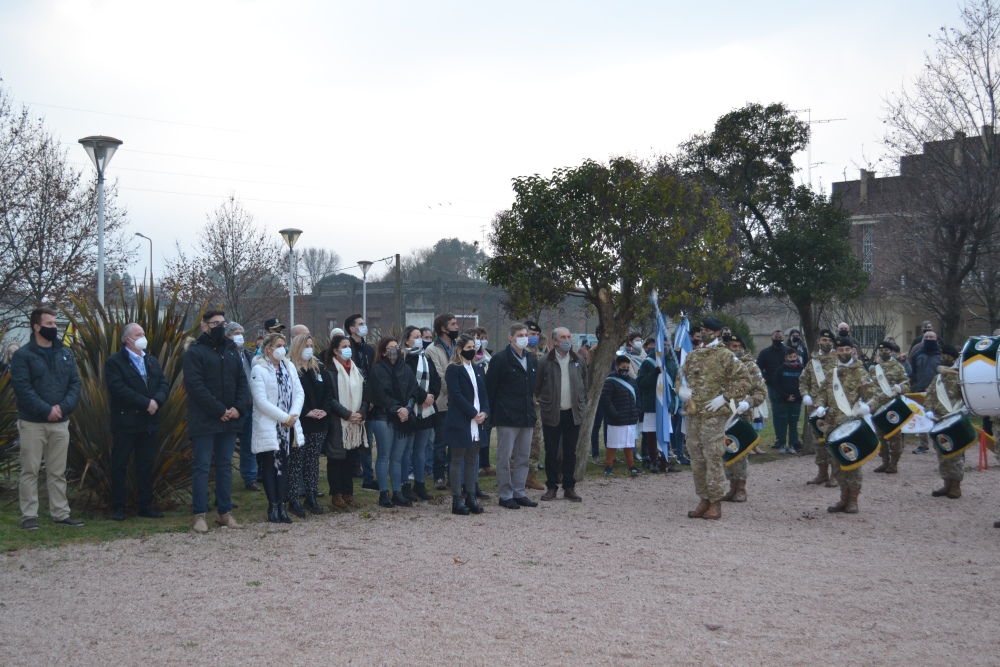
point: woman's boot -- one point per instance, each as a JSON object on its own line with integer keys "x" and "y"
{"x": 458, "y": 506}
{"x": 407, "y": 493}
{"x": 282, "y": 514}
{"x": 473, "y": 504}
{"x": 420, "y": 490}
{"x": 398, "y": 499}
{"x": 297, "y": 509}
{"x": 383, "y": 499}
{"x": 312, "y": 505}
{"x": 272, "y": 513}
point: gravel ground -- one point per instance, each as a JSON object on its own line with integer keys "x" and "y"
{"x": 624, "y": 578}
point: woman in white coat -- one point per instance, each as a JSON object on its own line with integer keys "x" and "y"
{"x": 277, "y": 402}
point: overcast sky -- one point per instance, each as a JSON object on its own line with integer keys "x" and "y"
{"x": 379, "y": 127}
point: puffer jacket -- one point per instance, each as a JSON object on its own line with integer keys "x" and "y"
{"x": 266, "y": 414}
{"x": 38, "y": 384}
{"x": 619, "y": 404}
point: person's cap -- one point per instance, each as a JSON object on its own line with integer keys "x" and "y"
{"x": 533, "y": 326}
{"x": 712, "y": 324}
{"x": 888, "y": 345}
{"x": 950, "y": 350}
{"x": 826, "y": 333}
{"x": 734, "y": 337}
{"x": 794, "y": 331}
{"x": 843, "y": 342}
{"x": 273, "y": 325}
{"x": 336, "y": 331}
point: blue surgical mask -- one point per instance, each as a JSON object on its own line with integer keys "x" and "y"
{"x": 346, "y": 354}
{"x": 532, "y": 341}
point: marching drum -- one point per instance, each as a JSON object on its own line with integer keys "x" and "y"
{"x": 740, "y": 438}
{"x": 852, "y": 443}
{"x": 817, "y": 426}
{"x": 978, "y": 376}
{"x": 892, "y": 417}
{"x": 953, "y": 435}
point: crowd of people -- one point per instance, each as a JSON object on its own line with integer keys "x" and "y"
{"x": 403, "y": 411}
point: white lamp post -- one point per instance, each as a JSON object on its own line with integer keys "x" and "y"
{"x": 100, "y": 149}
{"x": 291, "y": 236}
{"x": 143, "y": 236}
{"x": 364, "y": 266}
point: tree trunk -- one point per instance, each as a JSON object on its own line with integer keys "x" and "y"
{"x": 951, "y": 320}
{"x": 807, "y": 318}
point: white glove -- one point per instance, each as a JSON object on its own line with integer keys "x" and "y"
{"x": 818, "y": 412}
{"x": 807, "y": 400}
{"x": 896, "y": 389}
{"x": 742, "y": 407}
{"x": 684, "y": 393}
{"x": 715, "y": 403}
{"x": 862, "y": 409}
{"x": 931, "y": 416}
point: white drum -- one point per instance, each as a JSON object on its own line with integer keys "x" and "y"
{"x": 979, "y": 376}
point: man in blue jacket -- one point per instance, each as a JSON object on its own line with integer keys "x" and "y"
{"x": 47, "y": 387}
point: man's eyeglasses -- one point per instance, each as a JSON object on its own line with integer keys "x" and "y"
{"x": 216, "y": 325}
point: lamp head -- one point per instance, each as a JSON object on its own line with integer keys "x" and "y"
{"x": 291, "y": 236}
{"x": 100, "y": 149}
{"x": 365, "y": 265}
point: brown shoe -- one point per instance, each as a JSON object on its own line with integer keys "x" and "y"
{"x": 487, "y": 472}
{"x": 944, "y": 490}
{"x": 550, "y": 494}
{"x": 842, "y": 505}
{"x": 822, "y": 476}
{"x": 351, "y": 502}
{"x": 713, "y": 512}
{"x": 732, "y": 491}
{"x": 956, "y": 489}
{"x": 533, "y": 483}
{"x": 227, "y": 521}
{"x": 337, "y": 500}
{"x": 741, "y": 492}
{"x": 572, "y": 495}
{"x": 200, "y": 525}
{"x": 699, "y": 511}
{"x": 852, "y": 501}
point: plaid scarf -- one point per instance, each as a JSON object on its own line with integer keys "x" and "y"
{"x": 424, "y": 382}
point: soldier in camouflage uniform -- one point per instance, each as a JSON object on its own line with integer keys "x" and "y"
{"x": 810, "y": 386}
{"x": 889, "y": 371}
{"x": 951, "y": 470}
{"x": 534, "y": 336}
{"x": 858, "y": 390}
{"x": 737, "y": 472}
{"x": 713, "y": 377}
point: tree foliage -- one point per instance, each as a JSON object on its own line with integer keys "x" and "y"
{"x": 447, "y": 259}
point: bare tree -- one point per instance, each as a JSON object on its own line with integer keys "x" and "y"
{"x": 312, "y": 265}
{"x": 983, "y": 287}
{"x": 235, "y": 264}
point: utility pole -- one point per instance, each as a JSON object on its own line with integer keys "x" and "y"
{"x": 809, "y": 151}
{"x": 399, "y": 297}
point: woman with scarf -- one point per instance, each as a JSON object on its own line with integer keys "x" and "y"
{"x": 428, "y": 389}
{"x": 468, "y": 408}
{"x": 347, "y": 436}
{"x": 316, "y": 387}
{"x": 277, "y": 401}
{"x": 394, "y": 399}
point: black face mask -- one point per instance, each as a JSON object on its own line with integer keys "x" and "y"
{"x": 218, "y": 335}
{"x": 623, "y": 373}
{"x": 843, "y": 333}
{"x": 930, "y": 346}
{"x": 452, "y": 335}
{"x": 425, "y": 343}
{"x": 468, "y": 355}
{"x": 795, "y": 340}
{"x": 49, "y": 333}
{"x": 777, "y": 343}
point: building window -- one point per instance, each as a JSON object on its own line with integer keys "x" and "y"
{"x": 869, "y": 335}
{"x": 868, "y": 248}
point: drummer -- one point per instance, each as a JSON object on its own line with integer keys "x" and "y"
{"x": 737, "y": 472}
{"x": 944, "y": 396}
{"x": 890, "y": 377}
{"x": 816, "y": 373}
{"x": 842, "y": 398}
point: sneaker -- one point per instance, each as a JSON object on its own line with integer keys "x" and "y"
{"x": 784, "y": 450}
{"x": 635, "y": 472}
{"x": 252, "y": 486}
{"x": 439, "y": 484}
{"x": 371, "y": 486}
{"x": 69, "y": 521}
{"x": 776, "y": 446}
{"x": 30, "y": 523}
{"x": 921, "y": 449}
{"x": 597, "y": 461}
{"x": 683, "y": 460}
{"x": 607, "y": 473}
{"x": 200, "y": 525}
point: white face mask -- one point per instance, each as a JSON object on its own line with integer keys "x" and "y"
{"x": 278, "y": 353}
{"x": 238, "y": 339}
{"x": 307, "y": 354}
{"x": 484, "y": 343}
{"x": 363, "y": 330}
{"x": 140, "y": 343}
{"x": 521, "y": 342}
{"x": 479, "y": 344}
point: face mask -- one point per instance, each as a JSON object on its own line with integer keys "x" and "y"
{"x": 278, "y": 353}
{"x": 930, "y": 346}
{"x": 479, "y": 344}
{"x": 307, "y": 354}
{"x": 521, "y": 342}
{"x": 844, "y": 358}
{"x": 140, "y": 343}
{"x": 452, "y": 335}
{"x": 484, "y": 344}
{"x": 49, "y": 333}
{"x": 392, "y": 354}
{"x": 363, "y": 331}
{"x": 533, "y": 341}
{"x": 346, "y": 353}
{"x": 565, "y": 345}
{"x": 707, "y": 338}
{"x": 426, "y": 343}
{"x": 218, "y": 335}
{"x": 238, "y": 339}
{"x": 777, "y": 343}
{"x": 826, "y": 347}
{"x": 623, "y": 372}
{"x": 843, "y": 333}
{"x": 795, "y": 340}
{"x": 468, "y": 355}
{"x": 884, "y": 356}
{"x": 637, "y": 346}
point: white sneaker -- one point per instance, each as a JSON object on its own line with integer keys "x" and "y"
{"x": 200, "y": 525}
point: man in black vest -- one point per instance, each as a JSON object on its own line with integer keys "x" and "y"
{"x": 137, "y": 390}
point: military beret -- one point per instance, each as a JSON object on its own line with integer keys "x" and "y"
{"x": 712, "y": 324}
{"x": 826, "y": 333}
{"x": 950, "y": 350}
{"x": 532, "y": 326}
{"x": 888, "y": 345}
{"x": 843, "y": 342}
{"x": 728, "y": 338}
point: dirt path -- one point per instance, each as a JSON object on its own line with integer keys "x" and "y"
{"x": 622, "y": 579}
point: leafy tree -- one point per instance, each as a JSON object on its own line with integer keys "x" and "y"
{"x": 608, "y": 233}
{"x": 448, "y": 259}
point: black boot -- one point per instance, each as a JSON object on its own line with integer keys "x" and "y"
{"x": 282, "y": 514}
{"x": 312, "y": 504}
{"x": 407, "y": 493}
{"x": 458, "y": 506}
{"x": 272, "y": 513}
{"x": 383, "y": 499}
{"x": 420, "y": 489}
{"x": 480, "y": 494}
{"x": 296, "y": 508}
{"x": 473, "y": 504}
{"x": 398, "y": 499}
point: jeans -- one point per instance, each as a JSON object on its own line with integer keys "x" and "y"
{"x": 595, "y": 433}
{"x": 484, "y": 451}
{"x": 144, "y": 447}
{"x": 441, "y": 459}
{"x": 415, "y": 453}
{"x": 367, "y": 472}
{"x": 780, "y": 417}
{"x": 221, "y": 446}
{"x": 389, "y": 460}
{"x": 248, "y": 461}
{"x": 786, "y": 420}
{"x": 677, "y": 437}
{"x": 565, "y": 435}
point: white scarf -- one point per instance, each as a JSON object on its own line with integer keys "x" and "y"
{"x": 350, "y": 387}
{"x": 424, "y": 382}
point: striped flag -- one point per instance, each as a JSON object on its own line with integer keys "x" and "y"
{"x": 664, "y": 383}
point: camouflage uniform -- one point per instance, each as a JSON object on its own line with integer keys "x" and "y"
{"x": 857, "y": 385}
{"x": 895, "y": 373}
{"x": 809, "y": 385}
{"x": 952, "y": 469}
{"x": 710, "y": 371}
{"x": 756, "y": 396}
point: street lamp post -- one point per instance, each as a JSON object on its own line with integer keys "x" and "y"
{"x": 100, "y": 149}
{"x": 291, "y": 235}
{"x": 364, "y": 266}
{"x": 143, "y": 236}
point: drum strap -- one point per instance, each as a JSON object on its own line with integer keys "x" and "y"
{"x": 883, "y": 381}
{"x": 942, "y": 395}
{"x": 818, "y": 371}
{"x": 838, "y": 393}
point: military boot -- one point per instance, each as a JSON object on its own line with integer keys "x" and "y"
{"x": 956, "y": 489}
{"x": 944, "y": 490}
{"x": 699, "y": 511}
{"x": 842, "y": 505}
{"x": 823, "y": 474}
{"x": 892, "y": 469}
{"x": 733, "y": 485}
{"x": 884, "y": 454}
{"x": 741, "y": 492}
{"x": 852, "y": 501}
{"x": 714, "y": 511}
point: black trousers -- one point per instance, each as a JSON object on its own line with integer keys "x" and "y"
{"x": 143, "y": 445}
{"x": 275, "y": 482}
{"x": 564, "y": 435}
{"x": 340, "y": 473}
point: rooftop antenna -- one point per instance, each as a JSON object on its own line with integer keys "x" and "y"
{"x": 809, "y": 145}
